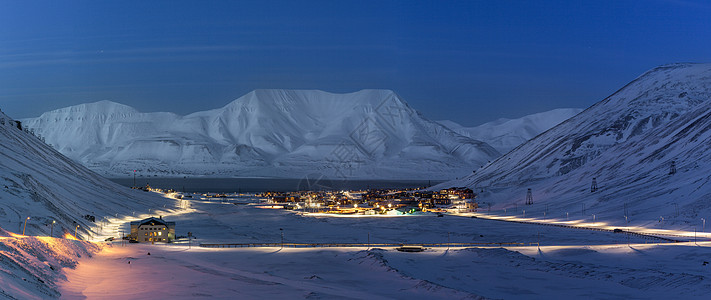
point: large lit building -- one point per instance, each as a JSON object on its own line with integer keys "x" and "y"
{"x": 153, "y": 230}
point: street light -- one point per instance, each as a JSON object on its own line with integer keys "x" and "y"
{"x": 282, "y": 237}
{"x": 23, "y": 227}
{"x": 75, "y": 232}
{"x": 703, "y": 226}
{"x": 51, "y": 230}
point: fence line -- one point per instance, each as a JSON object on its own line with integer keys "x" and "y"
{"x": 357, "y": 245}
{"x": 636, "y": 233}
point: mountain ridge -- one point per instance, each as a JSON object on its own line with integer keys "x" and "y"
{"x": 628, "y": 142}
{"x": 506, "y": 134}
{"x": 276, "y": 133}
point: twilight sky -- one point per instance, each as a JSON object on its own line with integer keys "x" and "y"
{"x": 466, "y": 61}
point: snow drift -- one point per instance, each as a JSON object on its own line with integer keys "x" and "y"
{"x": 280, "y": 133}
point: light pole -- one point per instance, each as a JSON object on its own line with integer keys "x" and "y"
{"x": 75, "y": 232}
{"x": 448, "y": 242}
{"x": 282, "y": 238}
{"x": 593, "y": 219}
{"x": 25, "y": 226}
{"x": 51, "y": 229}
{"x": 703, "y": 226}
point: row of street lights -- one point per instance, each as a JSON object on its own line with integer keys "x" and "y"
{"x": 51, "y": 229}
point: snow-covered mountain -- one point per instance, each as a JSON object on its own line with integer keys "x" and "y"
{"x": 281, "y": 133}
{"x": 39, "y": 186}
{"x": 629, "y": 142}
{"x": 506, "y": 134}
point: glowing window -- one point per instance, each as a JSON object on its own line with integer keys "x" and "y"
{"x": 160, "y": 233}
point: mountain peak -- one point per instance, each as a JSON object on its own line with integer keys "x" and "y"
{"x": 269, "y": 132}
{"x": 99, "y": 107}
{"x": 628, "y": 141}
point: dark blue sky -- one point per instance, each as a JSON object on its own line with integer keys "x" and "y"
{"x": 467, "y": 61}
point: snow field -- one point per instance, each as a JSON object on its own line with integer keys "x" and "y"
{"x": 569, "y": 263}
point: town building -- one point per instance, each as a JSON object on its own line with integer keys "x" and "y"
{"x": 153, "y": 230}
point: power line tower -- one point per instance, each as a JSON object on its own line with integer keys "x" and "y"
{"x": 672, "y": 168}
{"x": 529, "y": 197}
{"x": 593, "y": 187}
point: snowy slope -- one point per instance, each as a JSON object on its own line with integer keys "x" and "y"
{"x": 38, "y": 182}
{"x": 281, "y": 133}
{"x": 506, "y": 134}
{"x": 627, "y": 142}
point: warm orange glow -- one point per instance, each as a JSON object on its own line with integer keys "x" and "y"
{"x": 15, "y": 235}
{"x": 69, "y": 236}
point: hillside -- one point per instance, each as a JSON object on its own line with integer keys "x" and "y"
{"x": 277, "y": 133}
{"x": 506, "y": 134}
{"x": 628, "y": 142}
{"x": 39, "y": 186}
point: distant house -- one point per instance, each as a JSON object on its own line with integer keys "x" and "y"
{"x": 153, "y": 230}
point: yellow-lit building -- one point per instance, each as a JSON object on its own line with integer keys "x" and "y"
{"x": 153, "y": 230}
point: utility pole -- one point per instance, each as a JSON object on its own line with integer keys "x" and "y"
{"x": 529, "y": 197}
{"x": 134, "y": 178}
{"x": 546, "y": 212}
{"x": 282, "y": 238}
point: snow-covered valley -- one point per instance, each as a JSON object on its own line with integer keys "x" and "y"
{"x": 646, "y": 146}
{"x": 570, "y": 263}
